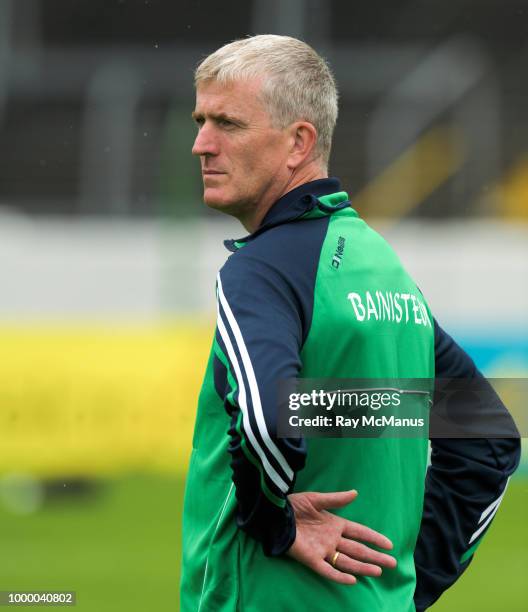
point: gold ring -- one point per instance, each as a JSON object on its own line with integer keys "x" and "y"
{"x": 334, "y": 558}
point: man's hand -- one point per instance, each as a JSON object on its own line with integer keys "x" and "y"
{"x": 320, "y": 534}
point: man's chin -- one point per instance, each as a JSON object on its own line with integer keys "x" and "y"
{"x": 215, "y": 200}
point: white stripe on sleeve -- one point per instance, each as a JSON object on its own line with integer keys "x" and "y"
{"x": 490, "y": 513}
{"x": 272, "y": 473}
{"x": 255, "y": 395}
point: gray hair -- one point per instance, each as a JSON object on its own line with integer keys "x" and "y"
{"x": 299, "y": 84}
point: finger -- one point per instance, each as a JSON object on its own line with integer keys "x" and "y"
{"x": 351, "y": 566}
{"x": 327, "y": 571}
{"x": 360, "y": 532}
{"x": 338, "y": 499}
{"x": 360, "y": 552}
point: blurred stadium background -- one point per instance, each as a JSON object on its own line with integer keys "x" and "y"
{"x": 108, "y": 257}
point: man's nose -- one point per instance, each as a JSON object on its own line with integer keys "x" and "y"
{"x": 205, "y": 143}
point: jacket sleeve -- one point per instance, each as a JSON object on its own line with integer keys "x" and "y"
{"x": 258, "y": 342}
{"x": 464, "y": 487}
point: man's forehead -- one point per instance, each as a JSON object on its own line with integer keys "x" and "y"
{"x": 233, "y": 96}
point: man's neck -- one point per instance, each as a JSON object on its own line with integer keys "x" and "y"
{"x": 310, "y": 172}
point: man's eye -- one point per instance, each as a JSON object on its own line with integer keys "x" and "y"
{"x": 225, "y": 122}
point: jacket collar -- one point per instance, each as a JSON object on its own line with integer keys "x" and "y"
{"x": 297, "y": 203}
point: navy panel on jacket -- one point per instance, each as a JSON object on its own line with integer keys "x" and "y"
{"x": 265, "y": 304}
{"x": 466, "y": 478}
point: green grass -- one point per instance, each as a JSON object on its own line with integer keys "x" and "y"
{"x": 119, "y": 550}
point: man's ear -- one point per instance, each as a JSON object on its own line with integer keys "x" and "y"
{"x": 302, "y": 136}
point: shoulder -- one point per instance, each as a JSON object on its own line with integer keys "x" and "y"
{"x": 277, "y": 270}
{"x": 289, "y": 251}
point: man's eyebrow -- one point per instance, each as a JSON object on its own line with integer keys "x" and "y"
{"x": 197, "y": 115}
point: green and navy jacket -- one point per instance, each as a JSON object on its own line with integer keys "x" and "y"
{"x": 295, "y": 300}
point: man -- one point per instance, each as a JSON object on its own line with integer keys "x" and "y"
{"x": 258, "y": 532}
